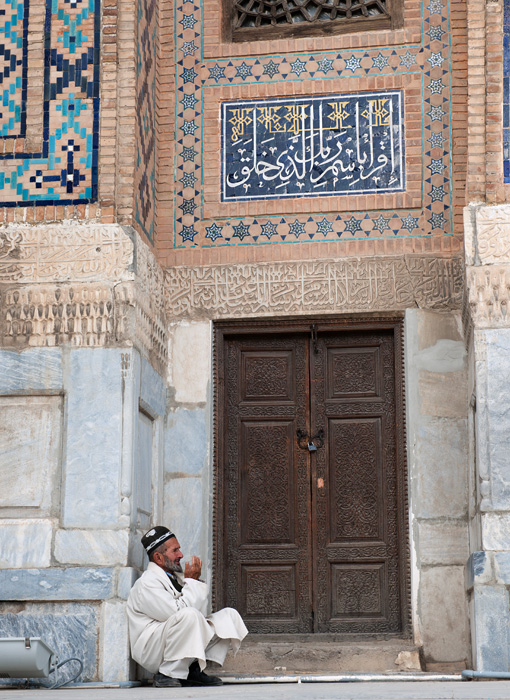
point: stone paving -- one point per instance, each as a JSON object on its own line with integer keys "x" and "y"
{"x": 399, "y": 690}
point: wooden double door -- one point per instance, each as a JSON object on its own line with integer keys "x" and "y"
{"x": 311, "y": 529}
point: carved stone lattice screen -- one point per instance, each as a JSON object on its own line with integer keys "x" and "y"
{"x": 253, "y": 19}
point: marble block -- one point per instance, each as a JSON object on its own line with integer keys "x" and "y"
{"x": 70, "y": 629}
{"x": 37, "y": 369}
{"x": 25, "y": 543}
{"x": 114, "y": 651}
{"x": 443, "y": 543}
{"x": 126, "y": 578}
{"x": 496, "y": 531}
{"x": 502, "y": 567}
{"x": 94, "y": 438}
{"x": 498, "y": 408}
{"x": 444, "y": 614}
{"x": 479, "y": 569}
{"x": 185, "y": 441}
{"x": 439, "y": 468}
{"x": 190, "y": 379}
{"x": 97, "y": 547}
{"x": 184, "y": 513}
{"x": 30, "y": 439}
{"x": 152, "y": 389}
{"x": 490, "y": 613}
{"x": 75, "y": 583}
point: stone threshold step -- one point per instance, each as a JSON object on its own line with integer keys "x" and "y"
{"x": 305, "y": 654}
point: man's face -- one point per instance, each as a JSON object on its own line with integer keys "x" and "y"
{"x": 170, "y": 558}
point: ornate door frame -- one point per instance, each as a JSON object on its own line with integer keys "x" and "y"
{"x": 223, "y": 329}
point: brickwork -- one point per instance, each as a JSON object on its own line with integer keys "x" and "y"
{"x": 487, "y": 66}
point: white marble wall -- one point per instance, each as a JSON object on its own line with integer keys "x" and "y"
{"x": 487, "y": 247}
{"x": 188, "y": 485}
{"x": 76, "y": 472}
{"x": 437, "y": 407}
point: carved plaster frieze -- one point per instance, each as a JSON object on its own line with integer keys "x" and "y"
{"x": 45, "y": 315}
{"x": 326, "y": 286}
{"x": 64, "y": 252}
{"x": 488, "y": 296}
{"x": 81, "y": 284}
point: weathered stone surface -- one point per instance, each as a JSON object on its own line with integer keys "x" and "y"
{"x": 434, "y": 326}
{"x": 479, "y": 569}
{"x": 36, "y": 369}
{"x": 408, "y": 661}
{"x": 498, "y": 405}
{"x": 259, "y": 655}
{"x": 184, "y": 513}
{"x": 152, "y": 389}
{"x": 492, "y": 241}
{"x": 75, "y": 583}
{"x": 443, "y": 613}
{"x": 97, "y": 547}
{"x": 69, "y": 251}
{"x": 502, "y": 567}
{"x": 443, "y": 543}
{"x": 490, "y": 621}
{"x": 445, "y": 356}
{"x": 25, "y": 543}
{"x": 144, "y": 459}
{"x": 93, "y": 447}
{"x": 190, "y": 378}
{"x": 185, "y": 441}
{"x": 496, "y": 531}
{"x": 114, "y": 652}
{"x": 70, "y": 629}
{"x": 30, "y": 451}
{"x": 439, "y": 478}
{"x": 284, "y": 288}
{"x": 443, "y": 395}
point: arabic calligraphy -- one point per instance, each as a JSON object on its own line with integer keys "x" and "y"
{"x": 313, "y": 146}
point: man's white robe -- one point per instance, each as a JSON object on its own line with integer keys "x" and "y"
{"x": 159, "y": 620}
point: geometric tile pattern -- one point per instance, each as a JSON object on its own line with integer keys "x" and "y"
{"x": 506, "y": 90}
{"x": 145, "y": 171}
{"x": 64, "y": 169}
{"x": 430, "y": 60}
{"x": 13, "y": 67}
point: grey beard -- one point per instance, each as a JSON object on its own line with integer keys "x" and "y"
{"x": 172, "y": 566}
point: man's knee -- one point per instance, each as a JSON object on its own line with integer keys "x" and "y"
{"x": 190, "y": 616}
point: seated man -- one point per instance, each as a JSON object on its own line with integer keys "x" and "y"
{"x": 169, "y": 632}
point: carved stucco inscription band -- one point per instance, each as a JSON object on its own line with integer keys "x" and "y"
{"x": 352, "y": 285}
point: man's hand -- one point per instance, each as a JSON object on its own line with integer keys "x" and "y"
{"x": 193, "y": 569}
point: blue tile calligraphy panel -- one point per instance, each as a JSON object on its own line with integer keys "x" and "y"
{"x": 313, "y": 146}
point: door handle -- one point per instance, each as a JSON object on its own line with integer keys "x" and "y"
{"x": 313, "y": 443}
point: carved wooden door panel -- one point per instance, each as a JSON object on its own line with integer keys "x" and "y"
{"x": 358, "y": 575}
{"x": 267, "y": 483}
{"x": 312, "y": 541}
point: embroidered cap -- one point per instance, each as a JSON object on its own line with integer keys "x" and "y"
{"x": 155, "y": 537}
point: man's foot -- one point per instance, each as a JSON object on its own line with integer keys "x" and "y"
{"x": 198, "y": 677}
{"x": 162, "y": 681}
